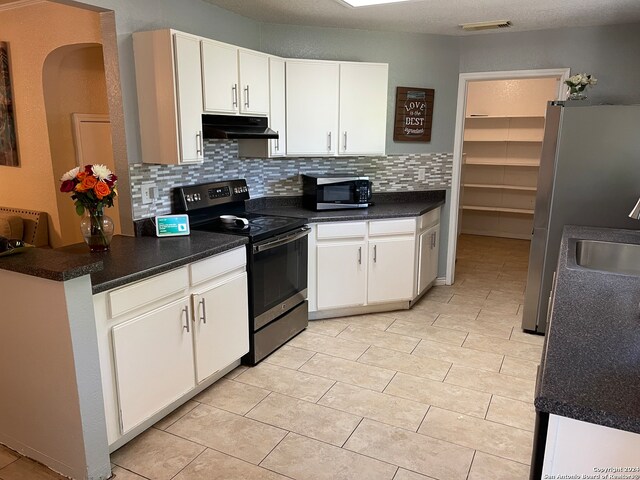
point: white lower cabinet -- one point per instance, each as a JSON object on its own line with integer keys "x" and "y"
{"x": 153, "y": 357}
{"x": 391, "y": 267}
{"x": 429, "y": 244}
{"x": 221, "y": 329}
{"x": 341, "y": 275}
{"x": 162, "y": 339}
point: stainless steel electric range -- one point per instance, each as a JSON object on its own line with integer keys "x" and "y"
{"x": 276, "y": 260}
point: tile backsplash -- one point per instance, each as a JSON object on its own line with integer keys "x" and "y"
{"x": 281, "y": 176}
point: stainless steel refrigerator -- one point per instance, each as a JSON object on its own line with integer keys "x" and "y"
{"x": 589, "y": 175}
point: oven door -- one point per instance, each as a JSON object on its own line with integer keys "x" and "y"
{"x": 279, "y": 275}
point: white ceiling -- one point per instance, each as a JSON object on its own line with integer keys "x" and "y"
{"x": 439, "y": 16}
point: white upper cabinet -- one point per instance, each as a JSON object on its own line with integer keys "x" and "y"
{"x": 234, "y": 80}
{"x": 220, "y": 77}
{"x": 363, "y": 108}
{"x": 336, "y": 108}
{"x": 169, "y": 86}
{"x": 277, "y": 110}
{"x": 313, "y": 89}
{"x": 254, "y": 82}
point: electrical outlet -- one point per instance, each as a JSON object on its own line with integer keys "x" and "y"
{"x": 149, "y": 190}
{"x": 422, "y": 174}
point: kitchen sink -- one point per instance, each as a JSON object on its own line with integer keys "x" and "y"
{"x": 608, "y": 256}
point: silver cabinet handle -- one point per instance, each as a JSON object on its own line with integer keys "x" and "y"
{"x": 278, "y": 141}
{"x": 433, "y": 240}
{"x": 246, "y": 96}
{"x": 375, "y": 253}
{"x": 186, "y": 327}
{"x": 203, "y": 317}
{"x": 329, "y": 141}
{"x": 345, "y": 141}
{"x": 199, "y": 143}
{"x": 359, "y": 255}
{"x": 234, "y": 90}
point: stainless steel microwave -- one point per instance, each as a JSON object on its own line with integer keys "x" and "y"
{"x": 334, "y": 192}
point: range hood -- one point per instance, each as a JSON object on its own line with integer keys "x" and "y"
{"x": 236, "y": 127}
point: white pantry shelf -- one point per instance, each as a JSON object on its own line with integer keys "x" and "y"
{"x": 523, "y": 211}
{"x": 500, "y": 186}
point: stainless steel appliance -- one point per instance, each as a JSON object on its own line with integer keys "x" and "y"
{"x": 236, "y": 127}
{"x": 276, "y": 260}
{"x": 589, "y": 175}
{"x": 333, "y": 192}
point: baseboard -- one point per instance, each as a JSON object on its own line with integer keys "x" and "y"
{"x": 484, "y": 233}
{"x": 440, "y": 281}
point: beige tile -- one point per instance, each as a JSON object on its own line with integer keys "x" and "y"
{"x": 437, "y": 295}
{"x": 308, "y": 419}
{"x": 525, "y": 351}
{"x": 232, "y": 396}
{"x": 519, "y": 336}
{"x": 465, "y": 324}
{"x": 7, "y": 456}
{"x": 392, "y": 341}
{"x": 428, "y": 332}
{"x": 491, "y": 317}
{"x": 512, "y": 412}
{"x": 493, "y": 438}
{"x": 384, "y": 408}
{"x": 497, "y": 306}
{"x": 331, "y": 327}
{"x": 122, "y": 474}
{"x": 407, "y": 363}
{"x": 412, "y": 451}
{"x": 156, "y": 454}
{"x": 212, "y": 465}
{"x": 459, "y": 355}
{"x": 235, "y": 372}
{"x": 338, "y": 347}
{"x": 374, "y": 320}
{"x": 176, "y": 415}
{"x": 228, "y": 433}
{"x": 26, "y": 469}
{"x": 289, "y": 357}
{"x": 502, "y": 283}
{"x": 415, "y": 315}
{"x": 286, "y": 381}
{"x": 407, "y": 475}
{"x": 519, "y": 368}
{"x": 511, "y": 297}
{"x": 306, "y": 459}
{"x": 488, "y": 466}
{"x": 492, "y": 382}
{"x": 466, "y": 290}
{"x": 440, "y": 308}
{"x": 430, "y": 392}
{"x": 348, "y": 371}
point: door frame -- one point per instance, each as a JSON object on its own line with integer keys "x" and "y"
{"x": 464, "y": 79}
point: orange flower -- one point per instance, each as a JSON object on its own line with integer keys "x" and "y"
{"x": 88, "y": 182}
{"x": 101, "y": 189}
{"x": 81, "y": 175}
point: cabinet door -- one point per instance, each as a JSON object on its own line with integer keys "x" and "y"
{"x": 153, "y": 356}
{"x": 220, "y": 77}
{"x": 254, "y": 82}
{"x": 391, "y": 269}
{"x": 189, "y": 97}
{"x": 363, "y": 108}
{"x": 221, "y": 325}
{"x": 341, "y": 275}
{"x": 428, "y": 261}
{"x": 277, "y": 116}
{"x": 312, "y": 107}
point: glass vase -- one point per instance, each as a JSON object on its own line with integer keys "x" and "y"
{"x": 97, "y": 229}
{"x": 575, "y": 94}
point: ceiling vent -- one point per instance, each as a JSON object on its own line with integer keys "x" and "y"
{"x": 472, "y": 27}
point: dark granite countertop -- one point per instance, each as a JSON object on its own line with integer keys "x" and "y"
{"x": 386, "y": 205}
{"x": 135, "y": 258}
{"x": 51, "y": 264}
{"x": 590, "y": 367}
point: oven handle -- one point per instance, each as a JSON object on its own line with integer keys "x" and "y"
{"x": 303, "y": 232}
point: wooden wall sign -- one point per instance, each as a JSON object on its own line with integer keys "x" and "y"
{"x": 414, "y": 113}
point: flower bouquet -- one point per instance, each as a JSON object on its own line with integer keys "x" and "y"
{"x": 92, "y": 187}
{"x": 577, "y": 83}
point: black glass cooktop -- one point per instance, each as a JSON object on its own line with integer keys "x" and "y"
{"x": 259, "y": 227}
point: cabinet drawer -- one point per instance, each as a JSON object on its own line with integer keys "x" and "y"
{"x": 429, "y": 219}
{"x": 342, "y": 230}
{"x": 147, "y": 291}
{"x": 217, "y": 265}
{"x": 392, "y": 227}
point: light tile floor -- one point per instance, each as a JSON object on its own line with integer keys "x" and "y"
{"x": 443, "y": 391}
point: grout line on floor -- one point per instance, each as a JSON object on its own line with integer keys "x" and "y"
{"x": 473, "y": 457}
